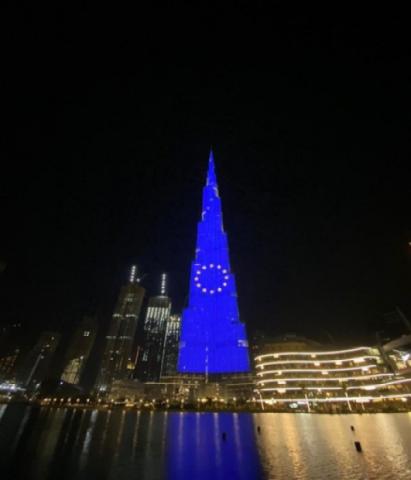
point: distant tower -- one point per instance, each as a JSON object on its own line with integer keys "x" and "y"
{"x": 37, "y": 363}
{"x": 151, "y": 353}
{"x": 170, "y": 346}
{"x": 79, "y": 350}
{"x": 120, "y": 338}
{"x": 213, "y": 340}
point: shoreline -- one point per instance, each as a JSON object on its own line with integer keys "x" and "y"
{"x": 106, "y": 408}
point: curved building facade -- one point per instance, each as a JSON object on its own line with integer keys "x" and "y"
{"x": 312, "y": 376}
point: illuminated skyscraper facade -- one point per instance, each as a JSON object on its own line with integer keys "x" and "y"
{"x": 170, "y": 346}
{"x": 213, "y": 340}
{"x": 155, "y": 324}
{"x": 121, "y": 335}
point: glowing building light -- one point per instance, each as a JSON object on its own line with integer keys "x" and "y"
{"x": 314, "y": 354}
{"x": 163, "y": 287}
{"x": 133, "y": 273}
{"x": 213, "y": 340}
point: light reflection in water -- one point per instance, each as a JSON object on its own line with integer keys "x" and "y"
{"x": 135, "y": 436}
{"x": 83, "y": 444}
{"x": 2, "y": 410}
{"x": 87, "y": 440}
{"x": 207, "y": 455}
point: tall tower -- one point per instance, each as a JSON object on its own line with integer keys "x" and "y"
{"x": 121, "y": 335}
{"x": 155, "y": 324}
{"x": 213, "y": 340}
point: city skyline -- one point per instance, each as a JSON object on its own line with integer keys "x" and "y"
{"x": 274, "y": 328}
{"x": 205, "y": 242}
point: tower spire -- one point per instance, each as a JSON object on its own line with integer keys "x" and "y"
{"x": 211, "y": 178}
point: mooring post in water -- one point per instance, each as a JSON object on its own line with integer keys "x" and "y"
{"x": 358, "y": 446}
{"x": 352, "y": 428}
{"x": 259, "y": 429}
{"x": 224, "y": 436}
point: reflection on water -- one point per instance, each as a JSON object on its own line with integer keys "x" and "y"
{"x": 63, "y": 444}
{"x": 195, "y": 448}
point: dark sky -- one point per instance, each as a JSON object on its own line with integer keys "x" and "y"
{"x": 109, "y": 116}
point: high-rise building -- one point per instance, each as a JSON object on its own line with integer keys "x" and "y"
{"x": 170, "y": 346}
{"x": 10, "y": 350}
{"x": 120, "y": 339}
{"x": 79, "y": 350}
{"x": 37, "y": 362}
{"x": 213, "y": 340}
{"x": 155, "y": 325}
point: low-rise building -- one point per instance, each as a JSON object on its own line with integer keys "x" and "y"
{"x": 297, "y": 372}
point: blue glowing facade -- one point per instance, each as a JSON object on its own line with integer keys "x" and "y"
{"x": 213, "y": 340}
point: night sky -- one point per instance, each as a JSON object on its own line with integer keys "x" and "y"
{"x": 109, "y": 117}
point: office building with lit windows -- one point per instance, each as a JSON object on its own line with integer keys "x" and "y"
{"x": 157, "y": 318}
{"x": 79, "y": 350}
{"x": 297, "y": 372}
{"x": 117, "y": 363}
{"x": 170, "y": 346}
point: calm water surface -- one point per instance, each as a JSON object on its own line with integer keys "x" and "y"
{"x": 63, "y": 444}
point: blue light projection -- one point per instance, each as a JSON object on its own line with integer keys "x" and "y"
{"x": 213, "y": 340}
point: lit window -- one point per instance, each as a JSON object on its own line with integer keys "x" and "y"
{"x": 86, "y": 333}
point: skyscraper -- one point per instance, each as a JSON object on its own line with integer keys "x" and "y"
{"x": 121, "y": 335}
{"x": 170, "y": 346}
{"x": 10, "y": 350}
{"x": 155, "y": 324}
{"x": 79, "y": 350}
{"x": 213, "y": 340}
{"x": 37, "y": 362}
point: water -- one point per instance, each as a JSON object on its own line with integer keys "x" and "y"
{"x": 63, "y": 444}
